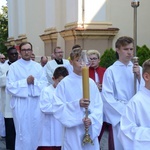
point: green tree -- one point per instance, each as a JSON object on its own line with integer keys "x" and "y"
{"x": 108, "y": 58}
{"x": 143, "y": 53}
{"x": 3, "y": 29}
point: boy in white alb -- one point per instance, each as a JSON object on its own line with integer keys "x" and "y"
{"x": 118, "y": 84}
{"x": 135, "y": 122}
{"x": 69, "y": 108}
{"x": 52, "y": 129}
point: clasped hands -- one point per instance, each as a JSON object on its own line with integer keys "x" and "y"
{"x": 30, "y": 79}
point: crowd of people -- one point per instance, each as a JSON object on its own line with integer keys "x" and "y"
{"x": 42, "y": 106}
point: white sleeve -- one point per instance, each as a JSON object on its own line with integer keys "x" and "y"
{"x": 46, "y": 101}
{"x": 49, "y": 73}
{"x": 113, "y": 108}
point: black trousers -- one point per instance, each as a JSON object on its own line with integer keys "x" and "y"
{"x": 10, "y": 133}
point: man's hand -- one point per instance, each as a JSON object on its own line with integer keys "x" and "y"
{"x": 30, "y": 80}
{"x": 136, "y": 70}
{"x": 84, "y": 103}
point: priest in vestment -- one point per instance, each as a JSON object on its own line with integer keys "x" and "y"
{"x": 25, "y": 80}
{"x": 53, "y": 64}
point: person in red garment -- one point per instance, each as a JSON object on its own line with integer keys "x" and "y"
{"x": 96, "y": 73}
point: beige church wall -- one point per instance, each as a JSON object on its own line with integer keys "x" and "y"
{"x": 27, "y": 22}
{"x": 35, "y": 22}
{"x": 120, "y": 14}
{"x": 88, "y": 44}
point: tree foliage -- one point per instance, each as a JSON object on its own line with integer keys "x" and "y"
{"x": 108, "y": 58}
{"x": 3, "y": 29}
{"x": 143, "y": 53}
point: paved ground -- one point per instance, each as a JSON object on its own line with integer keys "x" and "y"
{"x": 2, "y": 144}
{"x": 103, "y": 143}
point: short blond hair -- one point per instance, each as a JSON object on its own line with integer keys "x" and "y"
{"x": 94, "y": 52}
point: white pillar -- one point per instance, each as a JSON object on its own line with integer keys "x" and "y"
{"x": 95, "y": 11}
{"x": 21, "y": 16}
{"x": 50, "y": 13}
{"x": 11, "y": 18}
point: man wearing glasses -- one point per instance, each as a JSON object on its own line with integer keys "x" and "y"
{"x": 25, "y": 80}
{"x": 53, "y": 64}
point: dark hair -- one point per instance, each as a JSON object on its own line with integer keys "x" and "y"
{"x": 11, "y": 48}
{"x": 24, "y": 43}
{"x": 44, "y": 57}
{"x": 60, "y": 71}
{"x": 123, "y": 41}
{"x": 76, "y": 46}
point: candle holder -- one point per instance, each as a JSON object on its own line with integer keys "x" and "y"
{"x": 85, "y": 84}
{"x": 87, "y": 138}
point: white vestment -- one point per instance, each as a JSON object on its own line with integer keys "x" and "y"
{"x": 117, "y": 90}
{"x": 69, "y": 67}
{"x": 67, "y": 110}
{"x": 5, "y": 97}
{"x": 52, "y": 129}
{"x": 135, "y": 122}
{"x": 2, "y": 125}
{"x": 51, "y": 66}
{"x": 25, "y": 101}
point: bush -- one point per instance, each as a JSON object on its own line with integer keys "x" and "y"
{"x": 108, "y": 58}
{"x": 143, "y": 53}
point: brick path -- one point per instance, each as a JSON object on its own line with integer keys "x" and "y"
{"x": 103, "y": 143}
{"x": 2, "y": 144}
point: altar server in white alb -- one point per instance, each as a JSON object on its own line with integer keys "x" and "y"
{"x": 5, "y": 98}
{"x": 135, "y": 122}
{"x": 52, "y": 129}
{"x": 53, "y": 64}
{"x": 69, "y": 108}
{"x": 118, "y": 85}
{"x": 25, "y": 80}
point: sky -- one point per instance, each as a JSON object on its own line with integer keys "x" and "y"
{"x": 2, "y": 3}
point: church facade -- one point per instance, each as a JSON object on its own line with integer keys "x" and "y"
{"x": 92, "y": 24}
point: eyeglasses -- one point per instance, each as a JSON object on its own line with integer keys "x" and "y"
{"x": 93, "y": 58}
{"x": 60, "y": 52}
{"x": 26, "y": 50}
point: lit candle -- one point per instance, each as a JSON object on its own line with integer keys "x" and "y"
{"x": 85, "y": 81}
